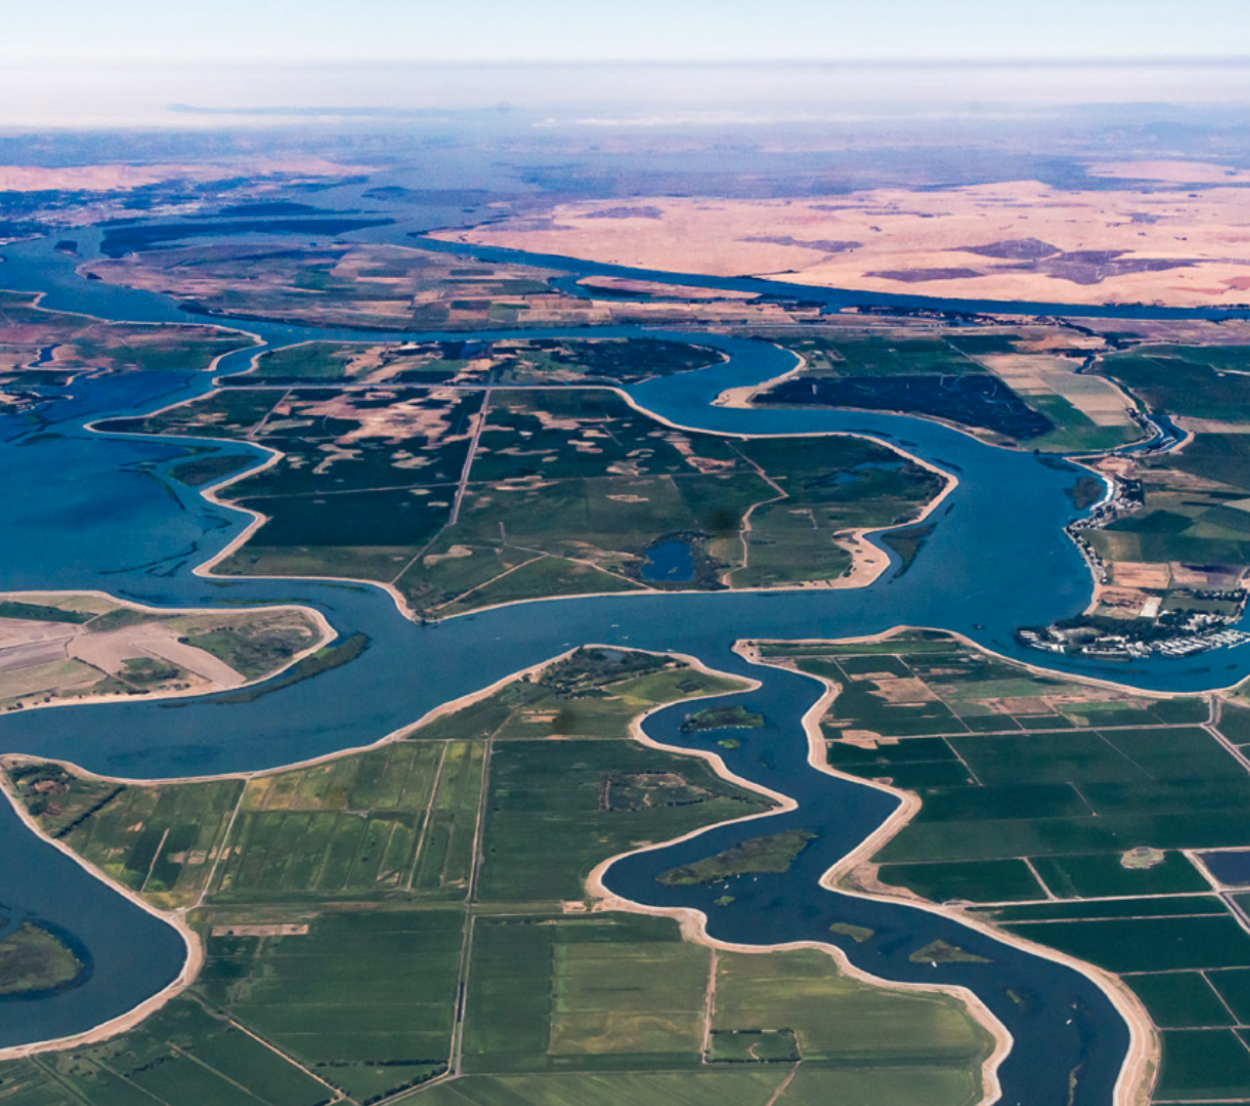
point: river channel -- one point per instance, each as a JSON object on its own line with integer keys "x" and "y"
{"x": 88, "y": 510}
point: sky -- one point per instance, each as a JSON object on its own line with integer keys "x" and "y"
{"x": 111, "y": 63}
{"x": 121, "y": 33}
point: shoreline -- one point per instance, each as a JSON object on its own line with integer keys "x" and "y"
{"x": 864, "y": 554}
{"x": 904, "y": 298}
{"x": 1036, "y": 669}
{"x": 321, "y": 623}
{"x": 1138, "y": 1066}
{"x": 176, "y": 918}
{"x": 1140, "y": 1056}
{"x": 1135, "y": 1081}
{"x": 742, "y": 397}
{"x": 137, "y": 1014}
{"x": 204, "y": 569}
{"x": 693, "y": 922}
{"x": 39, "y": 296}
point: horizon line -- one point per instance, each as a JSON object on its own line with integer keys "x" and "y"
{"x": 129, "y": 64}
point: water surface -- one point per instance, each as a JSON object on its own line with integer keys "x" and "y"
{"x": 92, "y": 510}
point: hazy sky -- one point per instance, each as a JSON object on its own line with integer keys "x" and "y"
{"x": 124, "y": 31}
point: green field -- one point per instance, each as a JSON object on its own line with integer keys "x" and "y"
{"x": 598, "y": 993}
{"x": 578, "y": 477}
{"x": 1207, "y": 382}
{"x": 618, "y": 994}
{"x": 185, "y": 1053}
{"x": 348, "y": 999}
{"x": 477, "y": 497}
{"x": 1059, "y": 811}
{"x": 586, "y": 801}
{"x": 378, "y": 920}
{"x": 866, "y": 370}
{"x": 837, "y": 1020}
{"x": 894, "y": 355}
{"x": 811, "y": 1086}
{"x": 1194, "y": 497}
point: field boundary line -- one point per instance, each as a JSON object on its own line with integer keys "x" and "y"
{"x": 131, "y": 1083}
{"x": 155, "y": 857}
{"x": 492, "y": 580}
{"x": 339, "y": 1095}
{"x": 463, "y": 482}
{"x": 209, "y": 1067}
{"x": 785, "y": 1083}
{"x": 959, "y": 757}
{"x": 429, "y": 817}
{"x": 1231, "y": 1013}
{"x": 1041, "y": 882}
{"x": 709, "y": 1005}
{"x": 223, "y": 847}
{"x": 37, "y": 1062}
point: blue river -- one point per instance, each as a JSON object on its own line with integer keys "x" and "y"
{"x": 84, "y": 509}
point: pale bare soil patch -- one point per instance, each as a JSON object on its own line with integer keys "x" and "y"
{"x": 1096, "y": 397}
{"x": 1132, "y": 574}
{"x": 122, "y": 649}
{"x": 110, "y": 650}
{"x": 118, "y": 177}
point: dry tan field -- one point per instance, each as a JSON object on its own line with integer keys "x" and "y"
{"x": 1021, "y": 240}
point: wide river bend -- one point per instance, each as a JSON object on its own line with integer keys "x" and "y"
{"x": 88, "y": 510}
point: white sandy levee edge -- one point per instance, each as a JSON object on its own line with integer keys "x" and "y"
{"x": 325, "y": 634}
{"x": 1136, "y": 1077}
{"x": 190, "y": 968}
{"x": 1135, "y": 1082}
{"x": 868, "y": 561}
{"x": 195, "y": 951}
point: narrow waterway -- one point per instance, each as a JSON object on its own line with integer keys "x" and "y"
{"x": 91, "y": 510}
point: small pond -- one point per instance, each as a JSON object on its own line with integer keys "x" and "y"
{"x": 669, "y": 561}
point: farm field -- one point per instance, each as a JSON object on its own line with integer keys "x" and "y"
{"x": 624, "y": 994}
{"x": 469, "y": 497}
{"x": 846, "y": 331}
{"x": 377, "y": 920}
{"x": 380, "y": 287}
{"x": 1191, "y": 382}
{"x": 1013, "y": 387}
{"x": 518, "y": 361}
{"x": 1172, "y": 549}
{"x": 389, "y": 287}
{"x": 1065, "y": 813}
{"x": 58, "y": 647}
{"x": 810, "y": 1086}
{"x": 1000, "y": 240}
{"x": 1192, "y": 523}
